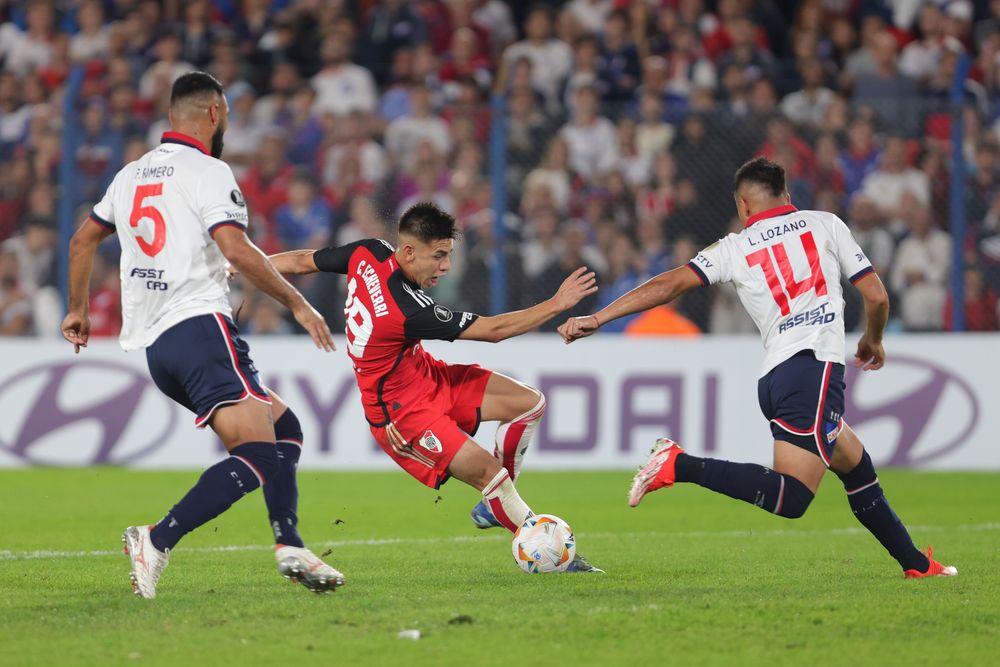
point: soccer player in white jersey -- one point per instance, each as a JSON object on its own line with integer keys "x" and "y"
{"x": 180, "y": 216}
{"x": 786, "y": 265}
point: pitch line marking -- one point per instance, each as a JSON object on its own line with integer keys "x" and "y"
{"x": 8, "y": 555}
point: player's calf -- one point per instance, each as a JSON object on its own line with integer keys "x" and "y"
{"x": 514, "y": 436}
{"x": 248, "y": 466}
{"x": 779, "y": 494}
{"x": 281, "y": 493}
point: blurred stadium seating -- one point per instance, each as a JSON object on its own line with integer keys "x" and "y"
{"x": 602, "y": 132}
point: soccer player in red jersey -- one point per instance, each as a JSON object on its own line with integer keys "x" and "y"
{"x": 421, "y": 410}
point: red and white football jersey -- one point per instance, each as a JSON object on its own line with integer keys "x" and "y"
{"x": 165, "y": 207}
{"x": 387, "y": 317}
{"x": 787, "y": 265}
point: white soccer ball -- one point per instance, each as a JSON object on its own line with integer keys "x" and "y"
{"x": 543, "y": 543}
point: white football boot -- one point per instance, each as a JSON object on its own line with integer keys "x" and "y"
{"x": 302, "y": 565}
{"x": 148, "y": 562}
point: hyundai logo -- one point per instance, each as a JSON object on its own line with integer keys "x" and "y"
{"x": 921, "y": 411}
{"x": 82, "y": 413}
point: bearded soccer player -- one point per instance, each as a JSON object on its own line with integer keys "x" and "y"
{"x": 421, "y": 410}
{"x": 180, "y": 216}
{"x": 787, "y": 266}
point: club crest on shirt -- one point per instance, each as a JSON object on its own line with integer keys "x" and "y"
{"x": 237, "y": 198}
{"x": 443, "y": 313}
{"x": 430, "y": 442}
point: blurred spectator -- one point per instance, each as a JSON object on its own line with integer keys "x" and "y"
{"x": 105, "y": 298}
{"x": 553, "y": 174}
{"x": 427, "y": 179}
{"x": 265, "y": 187}
{"x": 919, "y": 58}
{"x": 199, "y": 36}
{"x": 874, "y": 241}
{"x": 15, "y": 305}
{"x": 626, "y": 271}
{"x": 572, "y": 257}
{"x": 354, "y": 139}
{"x": 160, "y": 75}
{"x": 920, "y": 272}
{"x": 982, "y": 312}
{"x": 91, "y": 41}
{"x": 24, "y": 51}
{"x": 619, "y": 59}
{"x": 653, "y": 135}
{"x": 550, "y": 58}
{"x": 886, "y": 90}
{"x": 99, "y": 150}
{"x": 808, "y": 106}
{"x": 391, "y": 25}
{"x": 633, "y": 165}
{"x": 541, "y": 245}
{"x": 304, "y": 222}
{"x": 593, "y": 147}
{"x": 590, "y": 14}
{"x": 341, "y": 86}
{"x": 861, "y": 156}
{"x": 404, "y": 134}
{"x": 893, "y": 179}
{"x": 744, "y": 51}
{"x": 586, "y": 70}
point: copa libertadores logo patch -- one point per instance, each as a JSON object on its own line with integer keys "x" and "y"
{"x": 237, "y": 198}
{"x": 443, "y": 313}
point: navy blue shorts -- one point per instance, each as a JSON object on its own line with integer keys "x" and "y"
{"x": 803, "y": 398}
{"x": 203, "y": 364}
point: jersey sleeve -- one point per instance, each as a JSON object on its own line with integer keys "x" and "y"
{"x": 103, "y": 212}
{"x": 336, "y": 260}
{"x": 435, "y": 322}
{"x": 220, "y": 201}
{"x": 853, "y": 262}
{"x": 713, "y": 264}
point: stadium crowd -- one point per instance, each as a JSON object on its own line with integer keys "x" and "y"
{"x": 623, "y": 122}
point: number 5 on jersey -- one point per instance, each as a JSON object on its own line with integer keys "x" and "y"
{"x": 139, "y": 212}
{"x": 815, "y": 281}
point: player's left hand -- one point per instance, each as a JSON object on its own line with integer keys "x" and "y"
{"x": 579, "y": 284}
{"x": 578, "y": 327}
{"x": 870, "y": 355}
{"x": 76, "y": 329}
{"x": 231, "y": 271}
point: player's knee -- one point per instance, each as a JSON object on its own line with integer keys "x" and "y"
{"x": 287, "y": 427}
{"x": 795, "y": 499}
{"x": 261, "y": 455}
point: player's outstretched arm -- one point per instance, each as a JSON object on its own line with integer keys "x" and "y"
{"x": 294, "y": 262}
{"x": 252, "y": 263}
{"x": 494, "y": 329}
{"x": 656, "y": 291}
{"x": 76, "y": 325}
{"x": 871, "y": 355}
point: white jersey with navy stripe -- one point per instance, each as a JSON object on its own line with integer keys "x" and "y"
{"x": 165, "y": 208}
{"x": 787, "y": 267}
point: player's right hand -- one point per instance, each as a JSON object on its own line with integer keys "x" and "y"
{"x": 870, "y": 355}
{"x": 314, "y": 323}
{"x": 578, "y": 327}
{"x": 579, "y": 284}
{"x": 76, "y": 329}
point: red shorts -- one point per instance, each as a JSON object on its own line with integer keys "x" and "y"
{"x": 425, "y": 440}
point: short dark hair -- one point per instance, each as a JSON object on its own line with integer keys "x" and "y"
{"x": 428, "y": 222}
{"x": 194, "y": 83}
{"x": 763, "y": 172}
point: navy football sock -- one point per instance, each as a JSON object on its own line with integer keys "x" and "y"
{"x": 217, "y": 489}
{"x": 779, "y": 494}
{"x": 281, "y": 493}
{"x": 872, "y": 509}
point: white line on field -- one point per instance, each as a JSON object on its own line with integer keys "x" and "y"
{"x": 7, "y": 555}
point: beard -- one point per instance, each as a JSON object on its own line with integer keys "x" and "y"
{"x": 217, "y": 143}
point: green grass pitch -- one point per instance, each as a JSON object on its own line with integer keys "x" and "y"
{"x": 692, "y": 577}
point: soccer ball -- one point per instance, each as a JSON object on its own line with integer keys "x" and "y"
{"x": 543, "y": 543}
